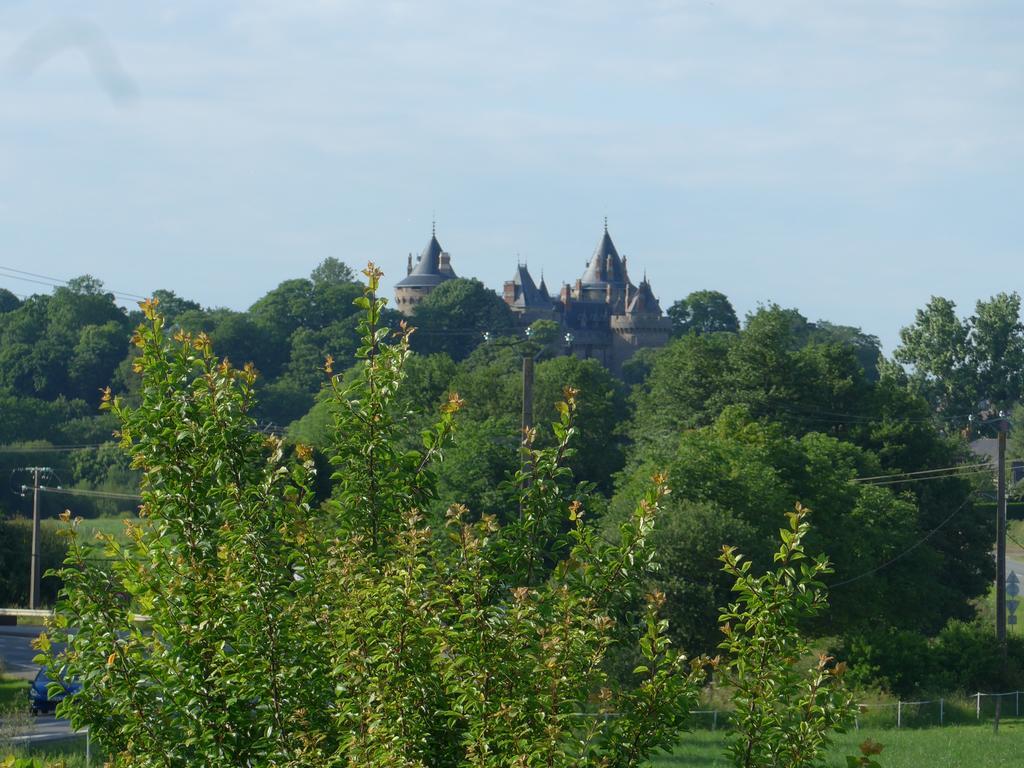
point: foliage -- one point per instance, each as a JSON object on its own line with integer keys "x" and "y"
{"x": 957, "y": 362}
{"x": 783, "y": 716}
{"x": 454, "y": 317}
{"x": 822, "y": 423}
{"x": 724, "y": 476}
{"x": 703, "y": 312}
{"x": 963, "y": 656}
{"x": 15, "y": 562}
{"x": 352, "y": 634}
{"x": 65, "y": 344}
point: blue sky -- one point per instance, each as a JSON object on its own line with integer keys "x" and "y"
{"x": 846, "y": 158}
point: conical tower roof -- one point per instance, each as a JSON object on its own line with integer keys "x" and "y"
{"x": 605, "y": 265}
{"x": 644, "y": 302}
{"x": 427, "y": 271}
{"x": 528, "y": 294}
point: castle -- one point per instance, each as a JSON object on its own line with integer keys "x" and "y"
{"x": 603, "y": 316}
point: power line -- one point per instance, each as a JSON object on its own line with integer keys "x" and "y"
{"x": 56, "y": 281}
{"x": 54, "y": 448}
{"x": 906, "y": 551}
{"x": 95, "y": 494}
{"x": 922, "y": 471}
{"x": 945, "y": 476}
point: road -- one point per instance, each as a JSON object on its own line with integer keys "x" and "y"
{"x": 16, "y": 651}
{"x": 16, "y": 654}
{"x": 38, "y": 730}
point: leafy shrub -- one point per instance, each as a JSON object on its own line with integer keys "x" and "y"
{"x": 279, "y": 633}
{"x": 783, "y": 715}
{"x": 964, "y": 657}
{"x": 16, "y": 560}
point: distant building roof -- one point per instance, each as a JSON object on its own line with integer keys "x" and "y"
{"x": 527, "y": 292}
{"x": 643, "y": 302}
{"x": 605, "y": 265}
{"x": 985, "y": 447}
{"x": 430, "y": 269}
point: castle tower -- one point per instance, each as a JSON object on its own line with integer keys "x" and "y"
{"x": 525, "y": 299}
{"x": 641, "y": 325}
{"x": 605, "y": 278}
{"x": 432, "y": 268}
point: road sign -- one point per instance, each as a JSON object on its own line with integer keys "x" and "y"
{"x": 1011, "y": 619}
{"x": 1011, "y": 605}
{"x": 1012, "y": 584}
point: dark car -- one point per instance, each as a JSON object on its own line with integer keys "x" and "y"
{"x": 40, "y": 699}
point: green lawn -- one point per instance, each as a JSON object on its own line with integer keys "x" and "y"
{"x": 950, "y": 747}
{"x": 89, "y": 528}
{"x": 13, "y": 694}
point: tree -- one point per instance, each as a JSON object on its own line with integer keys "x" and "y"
{"x": 172, "y": 305}
{"x": 332, "y": 271}
{"x": 703, "y": 312}
{"x": 280, "y": 633}
{"x": 8, "y": 301}
{"x": 783, "y": 716}
{"x": 454, "y": 317}
{"x": 997, "y": 349}
{"x": 937, "y": 348}
{"x": 602, "y": 411}
{"x": 726, "y": 475}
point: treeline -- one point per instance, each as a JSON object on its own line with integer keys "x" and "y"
{"x": 745, "y": 417}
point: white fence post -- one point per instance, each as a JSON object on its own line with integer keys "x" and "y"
{"x": 899, "y": 713}
{"x": 941, "y": 711}
{"x": 714, "y": 720}
{"x": 977, "y": 707}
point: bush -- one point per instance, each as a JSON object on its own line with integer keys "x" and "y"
{"x": 16, "y": 560}
{"x": 964, "y": 657}
{"x": 279, "y": 633}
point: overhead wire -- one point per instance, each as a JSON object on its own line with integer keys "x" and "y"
{"x": 84, "y": 492}
{"x": 35, "y": 277}
{"x": 54, "y": 448}
{"x": 921, "y": 472}
{"x": 907, "y": 550}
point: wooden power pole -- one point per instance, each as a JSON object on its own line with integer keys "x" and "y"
{"x": 1004, "y": 426}
{"x": 36, "y": 577}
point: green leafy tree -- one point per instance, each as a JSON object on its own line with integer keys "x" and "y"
{"x": 601, "y": 412}
{"x": 8, "y": 301}
{"x": 937, "y": 347}
{"x": 956, "y": 362}
{"x": 783, "y": 715}
{"x": 454, "y": 317}
{"x": 723, "y": 478}
{"x": 279, "y": 633}
{"x": 172, "y": 305}
{"x": 703, "y": 312}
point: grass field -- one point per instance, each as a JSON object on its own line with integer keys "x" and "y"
{"x": 89, "y": 528}
{"x": 951, "y": 747}
{"x": 13, "y": 693}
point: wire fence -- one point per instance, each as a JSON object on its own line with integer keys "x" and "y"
{"x": 947, "y": 710}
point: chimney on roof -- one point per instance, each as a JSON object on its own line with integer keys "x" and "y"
{"x": 408, "y": 268}
{"x": 444, "y": 263}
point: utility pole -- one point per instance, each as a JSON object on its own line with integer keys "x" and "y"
{"x": 35, "y": 580}
{"x": 1003, "y": 425}
{"x": 527, "y": 391}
